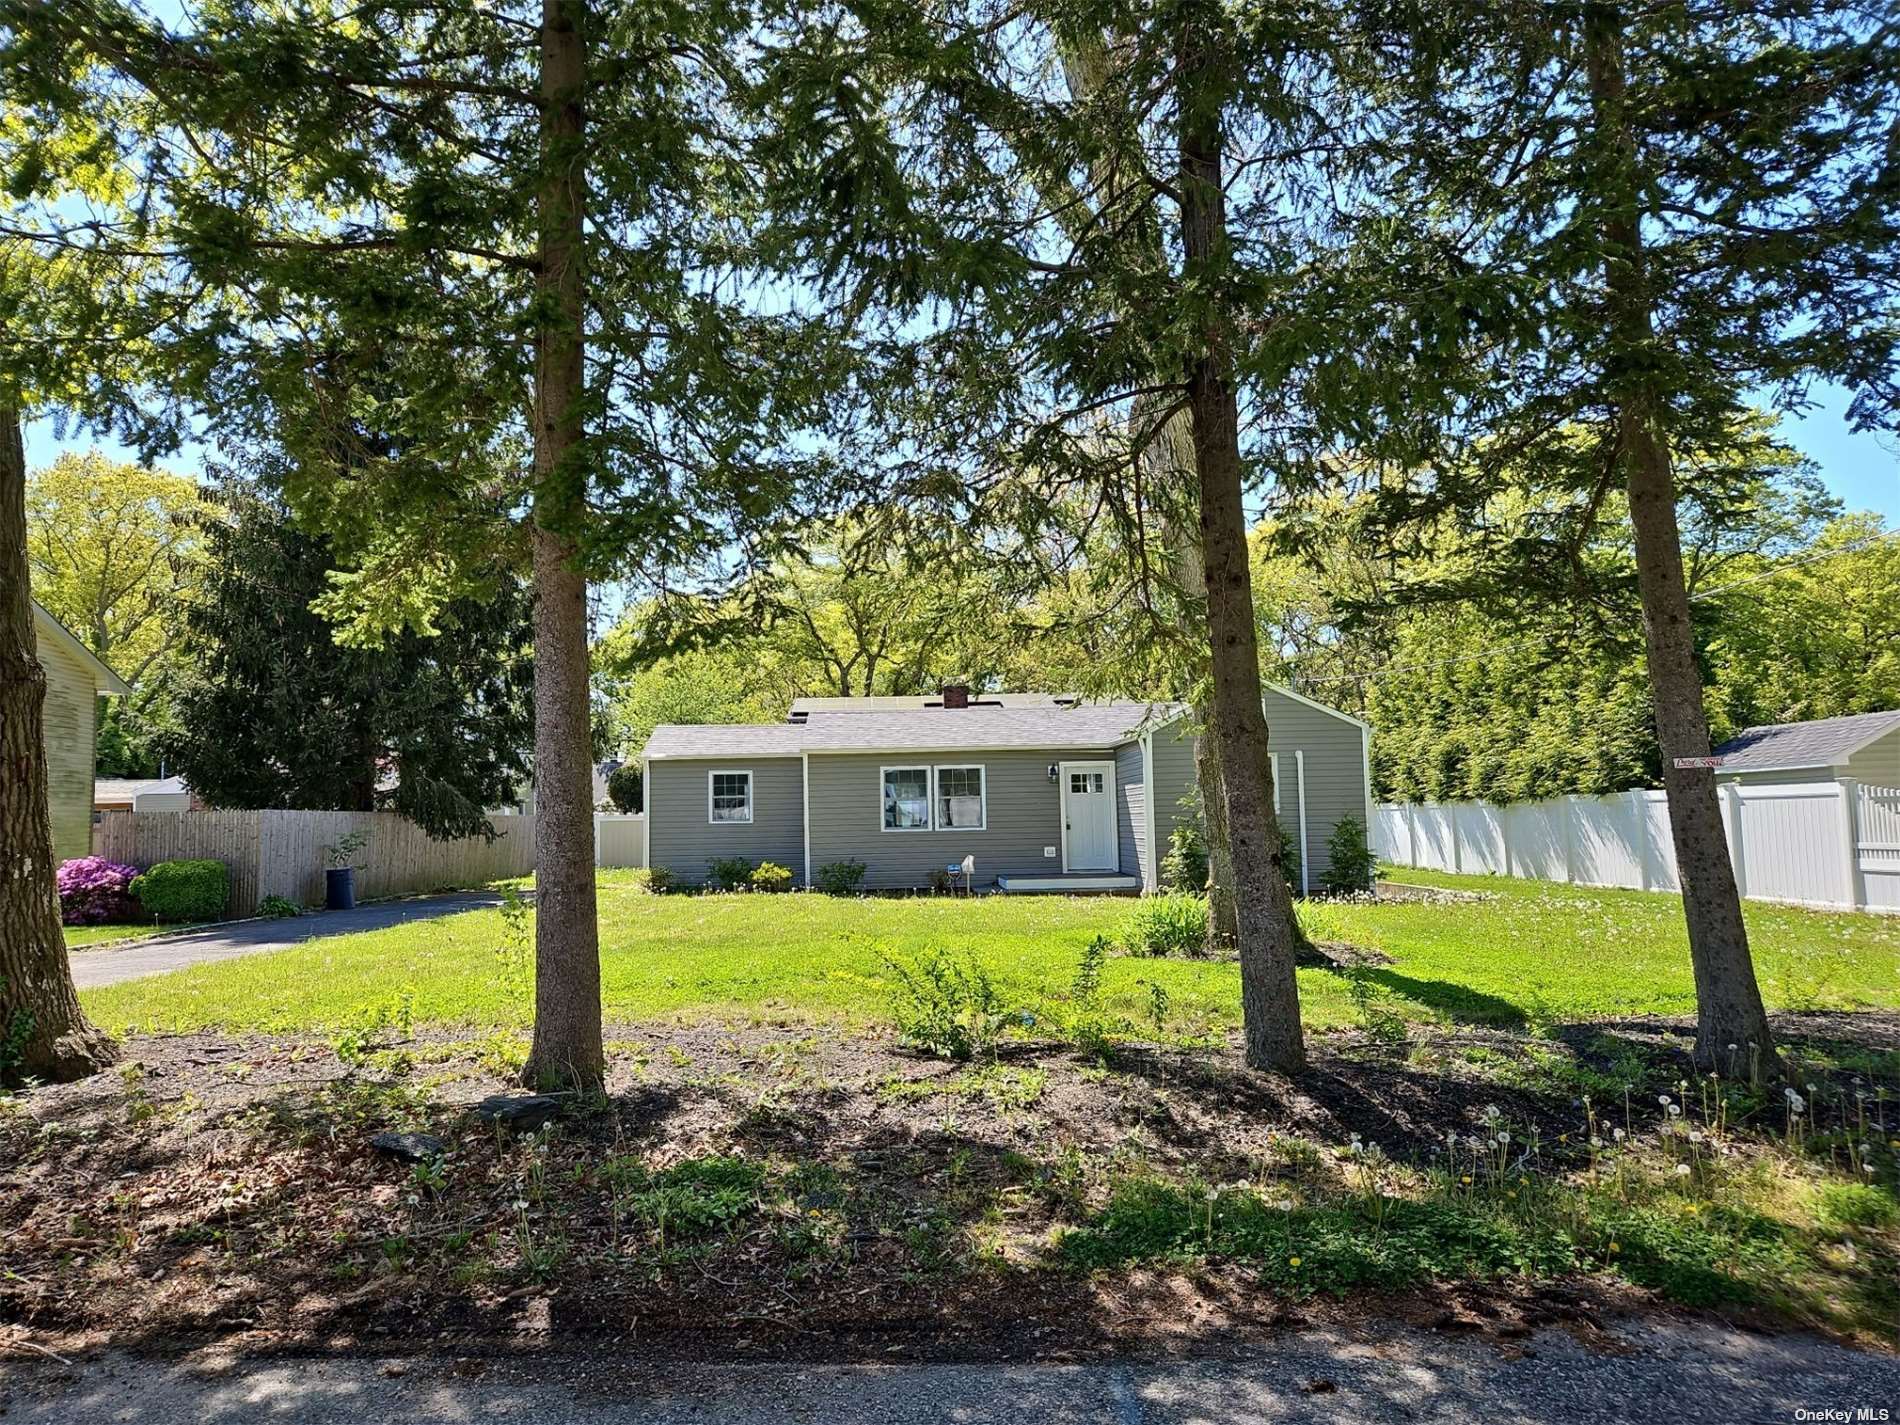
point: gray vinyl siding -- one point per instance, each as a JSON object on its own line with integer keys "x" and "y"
{"x": 682, "y": 839}
{"x": 1022, "y": 816}
{"x": 1131, "y": 812}
{"x": 1335, "y": 773}
{"x": 1174, "y": 785}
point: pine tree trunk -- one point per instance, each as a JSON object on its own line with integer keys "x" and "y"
{"x": 43, "y": 1032}
{"x": 567, "y": 1050}
{"x": 1731, "y": 1023}
{"x": 1267, "y": 935}
{"x": 1222, "y": 928}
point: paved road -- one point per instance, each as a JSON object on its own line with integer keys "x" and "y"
{"x": 1670, "y": 1373}
{"x": 251, "y": 937}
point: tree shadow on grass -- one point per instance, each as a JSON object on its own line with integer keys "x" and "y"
{"x": 1459, "y": 1003}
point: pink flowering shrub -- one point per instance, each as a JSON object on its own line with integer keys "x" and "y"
{"x": 93, "y": 891}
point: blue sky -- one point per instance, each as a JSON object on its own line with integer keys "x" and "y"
{"x": 1862, "y": 470}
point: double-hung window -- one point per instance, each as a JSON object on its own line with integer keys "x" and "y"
{"x": 729, "y": 796}
{"x": 907, "y": 799}
{"x": 960, "y": 799}
{"x": 934, "y": 799}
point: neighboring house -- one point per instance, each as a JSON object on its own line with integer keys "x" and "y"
{"x": 141, "y": 794}
{"x": 1865, "y": 746}
{"x": 1042, "y": 792}
{"x": 75, "y": 681}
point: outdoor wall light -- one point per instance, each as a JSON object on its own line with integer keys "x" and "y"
{"x": 1054, "y": 771}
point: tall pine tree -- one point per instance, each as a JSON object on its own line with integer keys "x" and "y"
{"x": 1664, "y": 212}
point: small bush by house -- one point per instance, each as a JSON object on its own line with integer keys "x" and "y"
{"x": 1171, "y": 924}
{"x": 841, "y": 878}
{"x": 183, "y": 891}
{"x": 728, "y": 873}
{"x": 1350, "y": 864}
{"x": 1184, "y": 868}
{"x": 95, "y": 891}
{"x": 770, "y": 876}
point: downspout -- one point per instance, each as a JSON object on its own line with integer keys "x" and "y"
{"x": 1151, "y": 872}
{"x": 1306, "y": 866}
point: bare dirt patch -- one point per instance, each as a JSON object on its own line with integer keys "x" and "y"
{"x": 739, "y": 1191}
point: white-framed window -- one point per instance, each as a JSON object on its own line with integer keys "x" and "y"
{"x": 906, "y": 793}
{"x": 728, "y": 796}
{"x": 961, "y": 805}
{"x": 953, "y": 798}
{"x": 1273, "y": 763}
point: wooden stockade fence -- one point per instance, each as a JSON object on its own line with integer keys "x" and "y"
{"x": 281, "y": 853}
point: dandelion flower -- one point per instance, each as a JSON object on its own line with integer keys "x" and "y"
{"x": 1616, "y": 1247}
{"x": 1466, "y": 1180}
{"x": 1292, "y": 1261}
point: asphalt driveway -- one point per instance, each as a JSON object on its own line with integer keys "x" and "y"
{"x": 1666, "y": 1371}
{"x": 105, "y": 966}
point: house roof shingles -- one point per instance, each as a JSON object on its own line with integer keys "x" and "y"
{"x": 1087, "y": 725}
{"x": 1788, "y": 746}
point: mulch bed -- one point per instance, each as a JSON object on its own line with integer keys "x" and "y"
{"x": 224, "y": 1187}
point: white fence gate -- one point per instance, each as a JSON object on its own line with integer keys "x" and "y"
{"x": 1829, "y": 844}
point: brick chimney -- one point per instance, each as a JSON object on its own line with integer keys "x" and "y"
{"x": 956, "y": 695}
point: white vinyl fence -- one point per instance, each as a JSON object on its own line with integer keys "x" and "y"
{"x": 282, "y": 852}
{"x": 620, "y": 840}
{"x": 1830, "y": 844}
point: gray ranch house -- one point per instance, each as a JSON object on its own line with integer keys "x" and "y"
{"x": 1040, "y": 792}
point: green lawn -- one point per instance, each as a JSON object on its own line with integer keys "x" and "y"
{"x": 1534, "y": 952}
{"x": 80, "y": 936}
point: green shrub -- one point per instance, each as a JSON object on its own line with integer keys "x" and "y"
{"x": 181, "y": 891}
{"x": 658, "y": 880}
{"x": 841, "y": 878}
{"x": 1350, "y": 864}
{"x": 1171, "y": 924}
{"x": 1184, "y": 868}
{"x": 946, "y": 1007}
{"x": 278, "y": 908}
{"x": 770, "y": 876}
{"x": 1290, "y": 861}
{"x": 626, "y": 788}
{"x": 728, "y": 873}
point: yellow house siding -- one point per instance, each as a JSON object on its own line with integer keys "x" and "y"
{"x": 72, "y": 704}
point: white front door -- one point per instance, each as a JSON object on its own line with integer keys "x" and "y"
{"x": 1088, "y": 817}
